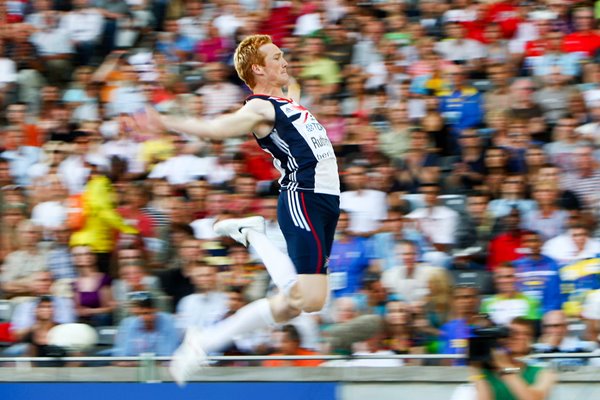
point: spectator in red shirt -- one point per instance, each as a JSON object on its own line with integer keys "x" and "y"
{"x": 135, "y": 198}
{"x": 507, "y": 246}
{"x": 537, "y": 47}
{"x": 506, "y": 14}
{"x": 584, "y": 39}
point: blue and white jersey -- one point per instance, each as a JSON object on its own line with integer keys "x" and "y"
{"x": 301, "y": 149}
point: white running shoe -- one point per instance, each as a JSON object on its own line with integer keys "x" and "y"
{"x": 188, "y": 359}
{"x": 236, "y": 228}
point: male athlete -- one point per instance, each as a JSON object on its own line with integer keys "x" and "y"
{"x": 308, "y": 206}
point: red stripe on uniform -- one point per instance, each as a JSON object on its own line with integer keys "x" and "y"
{"x": 312, "y": 228}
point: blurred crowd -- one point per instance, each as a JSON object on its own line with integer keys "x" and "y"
{"x": 467, "y": 135}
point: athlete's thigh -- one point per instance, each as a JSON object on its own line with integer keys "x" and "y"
{"x": 302, "y": 220}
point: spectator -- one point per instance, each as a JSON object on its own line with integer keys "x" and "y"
{"x": 53, "y": 43}
{"x": 24, "y": 314}
{"x": 408, "y": 281}
{"x": 289, "y": 345}
{"x": 585, "y": 177}
{"x": 193, "y": 24}
{"x": 366, "y": 207}
{"x": 92, "y": 292}
{"x": 391, "y": 236}
{"x": 59, "y": 260}
{"x": 437, "y": 223}
{"x": 562, "y": 150}
{"x": 475, "y": 224}
{"x": 555, "y": 338}
{"x": 507, "y": 375}
{"x": 205, "y": 307}
{"x": 176, "y": 281}
{"x": 20, "y": 156}
{"x": 37, "y": 336}
{"x": 461, "y": 105}
{"x": 317, "y": 64}
{"x": 174, "y": 46}
{"x": 548, "y": 218}
{"x": 133, "y": 278}
{"x": 538, "y": 276}
{"x": 52, "y": 212}
{"x": 509, "y": 303}
{"x": 458, "y": 48}
{"x": 467, "y": 270}
{"x": 513, "y": 197}
{"x": 101, "y": 219}
{"x": 146, "y": 331}
{"x": 571, "y": 246}
{"x": 224, "y": 93}
{"x": 84, "y": 26}
{"x": 554, "y": 59}
{"x": 583, "y": 40}
{"x": 553, "y": 97}
{"x": 20, "y": 265}
{"x": 464, "y": 315}
{"x": 523, "y": 106}
{"x": 469, "y": 167}
{"x": 8, "y": 75}
{"x": 506, "y": 246}
{"x": 349, "y": 260}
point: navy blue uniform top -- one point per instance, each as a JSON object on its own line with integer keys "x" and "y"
{"x": 301, "y": 150}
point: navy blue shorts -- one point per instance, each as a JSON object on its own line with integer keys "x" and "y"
{"x": 308, "y": 221}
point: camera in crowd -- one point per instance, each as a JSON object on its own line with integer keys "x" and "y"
{"x": 483, "y": 340}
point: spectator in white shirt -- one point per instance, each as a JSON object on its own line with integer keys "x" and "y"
{"x": 193, "y": 24}
{"x": 124, "y": 147}
{"x": 409, "y": 281}
{"x": 51, "y": 213}
{"x": 457, "y": 48}
{"x": 55, "y": 48}
{"x": 367, "y": 208}
{"x": 436, "y": 222}
{"x": 74, "y": 170}
{"x": 572, "y": 246}
{"x": 84, "y": 25}
{"x": 223, "y": 95}
{"x": 8, "y": 74}
{"x": 207, "y": 306}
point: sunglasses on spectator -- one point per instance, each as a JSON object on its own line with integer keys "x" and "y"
{"x": 139, "y": 296}
{"x": 554, "y": 325}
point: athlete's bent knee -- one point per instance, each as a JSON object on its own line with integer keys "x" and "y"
{"x": 313, "y": 306}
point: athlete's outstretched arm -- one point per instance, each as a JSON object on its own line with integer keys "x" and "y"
{"x": 239, "y": 123}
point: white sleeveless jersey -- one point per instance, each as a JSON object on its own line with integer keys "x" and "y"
{"x": 300, "y": 148}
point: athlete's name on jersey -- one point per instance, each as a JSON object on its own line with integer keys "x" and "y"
{"x": 325, "y": 155}
{"x": 320, "y": 141}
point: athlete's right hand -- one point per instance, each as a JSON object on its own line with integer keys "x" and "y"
{"x": 149, "y": 120}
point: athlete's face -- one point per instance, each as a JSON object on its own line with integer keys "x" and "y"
{"x": 275, "y": 68}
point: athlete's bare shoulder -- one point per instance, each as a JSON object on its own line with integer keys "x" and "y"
{"x": 266, "y": 111}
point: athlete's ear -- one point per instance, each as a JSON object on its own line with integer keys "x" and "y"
{"x": 257, "y": 69}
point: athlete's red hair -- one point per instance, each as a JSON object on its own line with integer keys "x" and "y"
{"x": 248, "y": 54}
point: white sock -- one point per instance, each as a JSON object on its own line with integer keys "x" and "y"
{"x": 254, "y": 316}
{"x": 278, "y": 264}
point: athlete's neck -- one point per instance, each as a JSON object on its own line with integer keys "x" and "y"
{"x": 268, "y": 90}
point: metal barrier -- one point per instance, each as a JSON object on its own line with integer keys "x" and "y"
{"x": 324, "y": 357}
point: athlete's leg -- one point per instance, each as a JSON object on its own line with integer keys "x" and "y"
{"x": 308, "y": 243}
{"x": 278, "y": 264}
{"x": 307, "y": 294}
